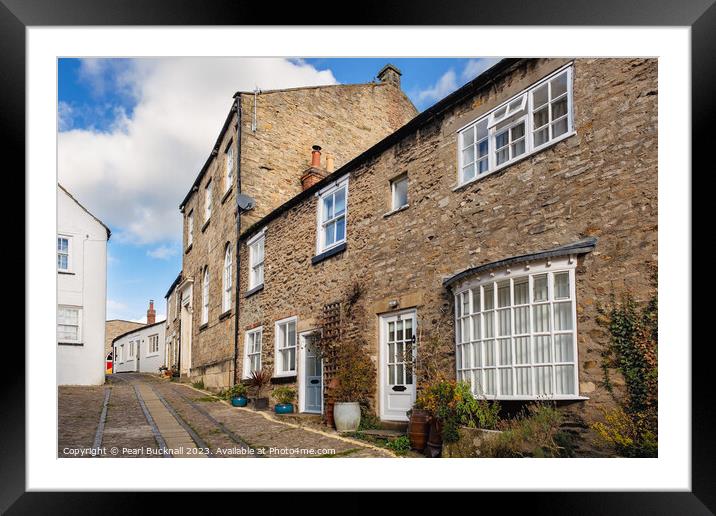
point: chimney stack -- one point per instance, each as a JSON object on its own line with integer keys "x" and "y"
{"x": 316, "y": 157}
{"x": 151, "y": 313}
{"x": 390, "y": 74}
{"x": 314, "y": 173}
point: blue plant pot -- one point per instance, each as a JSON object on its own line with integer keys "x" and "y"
{"x": 239, "y": 401}
{"x": 283, "y": 408}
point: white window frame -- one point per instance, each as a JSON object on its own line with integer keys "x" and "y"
{"x": 68, "y": 253}
{"x": 279, "y": 370}
{"x": 78, "y": 340}
{"x": 248, "y": 337}
{"x": 256, "y": 269}
{"x": 464, "y": 294}
{"x": 227, "y": 279}
{"x": 205, "y": 296}
{"x": 208, "y": 200}
{"x": 330, "y": 190}
{"x": 190, "y": 228}
{"x": 132, "y": 351}
{"x": 393, "y": 195}
{"x": 150, "y": 351}
{"x": 524, "y": 113}
{"x": 120, "y": 352}
{"x": 228, "y": 166}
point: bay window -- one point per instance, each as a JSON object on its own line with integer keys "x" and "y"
{"x": 527, "y": 122}
{"x": 285, "y": 352}
{"x": 516, "y": 332}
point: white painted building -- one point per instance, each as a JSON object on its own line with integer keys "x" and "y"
{"x": 141, "y": 350}
{"x": 81, "y": 293}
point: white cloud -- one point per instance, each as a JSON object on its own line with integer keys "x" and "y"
{"x": 446, "y": 84}
{"x": 114, "y": 307}
{"x": 475, "y": 67}
{"x": 163, "y": 252}
{"x": 134, "y": 175}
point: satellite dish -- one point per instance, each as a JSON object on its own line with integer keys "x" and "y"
{"x": 244, "y": 202}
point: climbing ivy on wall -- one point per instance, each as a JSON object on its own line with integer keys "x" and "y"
{"x": 632, "y": 350}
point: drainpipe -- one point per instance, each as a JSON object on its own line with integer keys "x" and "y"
{"x": 237, "y": 106}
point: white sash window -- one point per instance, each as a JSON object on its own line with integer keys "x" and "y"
{"x": 252, "y": 355}
{"x": 285, "y": 347}
{"x": 205, "y": 297}
{"x": 526, "y": 123}
{"x": 227, "y": 280}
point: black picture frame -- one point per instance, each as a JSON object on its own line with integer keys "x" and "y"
{"x": 16, "y": 15}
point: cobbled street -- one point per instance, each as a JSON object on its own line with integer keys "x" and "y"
{"x": 139, "y": 415}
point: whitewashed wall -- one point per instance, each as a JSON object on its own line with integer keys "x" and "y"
{"x": 83, "y": 286}
{"x": 148, "y": 362}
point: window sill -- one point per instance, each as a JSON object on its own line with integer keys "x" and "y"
{"x": 397, "y": 210}
{"x": 67, "y": 273}
{"x": 152, "y": 355}
{"x": 327, "y": 254}
{"x": 226, "y": 194}
{"x": 186, "y": 251}
{"x": 535, "y": 398}
{"x": 253, "y": 291}
{"x": 70, "y": 344}
{"x": 206, "y": 225}
{"x": 283, "y": 378}
{"x": 204, "y": 326}
{"x": 225, "y": 314}
{"x": 515, "y": 161}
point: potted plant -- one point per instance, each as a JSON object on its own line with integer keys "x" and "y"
{"x": 237, "y": 394}
{"x": 284, "y": 396}
{"x": 258, "y": 380}
{"x": 355, "y": 378}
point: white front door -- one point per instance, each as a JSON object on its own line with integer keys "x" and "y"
{"x": 312, "y": 376}
{"x": 186, "y": 329}
{"x": 397, "y": 383}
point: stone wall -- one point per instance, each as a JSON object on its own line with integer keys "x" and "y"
{"x": 601, "y": 182}
{"x": 344, "y": 119}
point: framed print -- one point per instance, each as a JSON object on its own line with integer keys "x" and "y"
{"x": 419, "y": 252}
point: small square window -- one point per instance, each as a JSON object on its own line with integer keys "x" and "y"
{"x": 399, "y": 188}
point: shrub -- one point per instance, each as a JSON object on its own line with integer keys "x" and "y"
{"x": 453, "y": 404}
{"x": 235, "y": 390}
{"x": 533, "y": 433}
{"x": 259, "y": 379}
{"x": 355, "y": 373}
{"x": 284, "y": 394}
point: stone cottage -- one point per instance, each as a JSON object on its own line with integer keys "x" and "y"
{"x": 498, "y": 218}
{"x": 260, "y": 161}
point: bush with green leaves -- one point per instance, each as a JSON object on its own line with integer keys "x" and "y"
{"x": 235, "y": 390}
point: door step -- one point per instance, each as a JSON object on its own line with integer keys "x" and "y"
{"x": 383, "y": 433}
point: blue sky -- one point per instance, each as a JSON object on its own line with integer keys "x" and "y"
{"x": 135, "y": 132}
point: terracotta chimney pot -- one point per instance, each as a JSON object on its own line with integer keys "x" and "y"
{"x": 316, "y": 157}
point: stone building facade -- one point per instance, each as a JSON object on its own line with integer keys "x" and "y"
{"x": 503, "y": 247}
{"x": 261, "y": 153}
